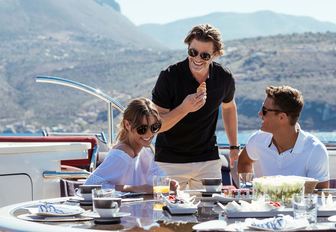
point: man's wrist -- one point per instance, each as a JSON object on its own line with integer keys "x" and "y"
{"x": 234, "y": 147}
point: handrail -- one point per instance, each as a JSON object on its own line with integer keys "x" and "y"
{"x": 66, "y": 174}
{"x": 111, "y": 102}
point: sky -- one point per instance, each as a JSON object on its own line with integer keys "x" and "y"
{"x": 164, "y": 11}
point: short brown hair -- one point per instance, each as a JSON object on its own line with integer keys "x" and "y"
{"x": 206, "y": 33}
{"x": 134, "y": 113}
{"x": 288, "y": 99}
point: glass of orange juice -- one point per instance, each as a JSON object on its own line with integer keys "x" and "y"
{"x": 160, "y": 186}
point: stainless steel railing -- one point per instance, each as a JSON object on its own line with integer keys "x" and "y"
{"x": 111, "y": 102}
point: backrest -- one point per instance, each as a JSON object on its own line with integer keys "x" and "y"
{"x": 83, "y": 163}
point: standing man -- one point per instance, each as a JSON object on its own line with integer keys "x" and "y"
{"x": 188, "y": 95}
{"x": 281, "y": 147}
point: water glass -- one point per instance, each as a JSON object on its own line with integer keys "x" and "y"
{"x": 161, "y": 186}
{"x": 245, "y": 180}
{"x": 305, "y": 206}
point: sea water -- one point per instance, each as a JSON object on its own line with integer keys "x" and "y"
{"x": 243, "y": 136}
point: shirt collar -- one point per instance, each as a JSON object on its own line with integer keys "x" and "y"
{"x": 298, "y": 146}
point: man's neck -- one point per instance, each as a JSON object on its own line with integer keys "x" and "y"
{"x": 201, "y": 77}
{"x": 285, "y": 139}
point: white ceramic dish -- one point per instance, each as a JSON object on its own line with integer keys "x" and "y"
{"x": 225, "y": 199}
{"x": 214, "y": 225}
{"x": 115, "y": 215}
{"x": 37, "y": 218}
{"x": 180, "y": 208}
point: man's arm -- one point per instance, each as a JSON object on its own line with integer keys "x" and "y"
{"x": 191, "y": 103}
{"x": 244, "y": 162}
{"x": 230, "y": 121}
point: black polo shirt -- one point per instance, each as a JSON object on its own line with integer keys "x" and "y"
{"x": 193, "y": 138}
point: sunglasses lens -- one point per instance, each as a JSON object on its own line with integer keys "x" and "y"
{"x": 205, "y": 56}
{"x": 192, "y": 52}
{"x": 141, "y": 130}
{"x": 155, "y": 127}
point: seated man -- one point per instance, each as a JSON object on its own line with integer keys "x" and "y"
{"x": 281, "y": 147}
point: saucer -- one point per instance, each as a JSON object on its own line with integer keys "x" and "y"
{"x": 111, "y": 220}
{"x": 107, "y": 220}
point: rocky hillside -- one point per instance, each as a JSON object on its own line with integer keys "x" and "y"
{"x": 70, "y": 18}
{"x": 91, "y": 42}
{"x": 305, "y": 61}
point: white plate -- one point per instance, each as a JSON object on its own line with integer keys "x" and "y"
{"x": 214, "y": 225}
{"x": 332, "y": 218}
{"x": 224, "y": 199}
{"x": 116, "y": 215}
{"x": 37, "y": 218}
{"x": 181, "y": 210}
{"x": 63, "y": 210}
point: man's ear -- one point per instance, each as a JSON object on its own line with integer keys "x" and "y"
{"x": 284, "y": 116}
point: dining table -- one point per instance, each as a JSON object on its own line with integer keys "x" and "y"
{"x": 142, "y": 213}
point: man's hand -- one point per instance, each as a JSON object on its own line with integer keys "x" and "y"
{"x": 194, "y": 102}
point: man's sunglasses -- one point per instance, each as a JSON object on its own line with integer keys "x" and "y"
{"x": 154, "y": 128}
{"x": 264, "y": 110}
{"x": 204, "y": 55}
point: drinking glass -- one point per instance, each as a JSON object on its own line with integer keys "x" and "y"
{"x": 305, "y": 206}
{"x": 160, "y": 186}
{"x": 245, "y": 180}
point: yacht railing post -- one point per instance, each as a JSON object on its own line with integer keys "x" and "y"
{"x": 110, "y": 124}
{"x": 111, "y": 102}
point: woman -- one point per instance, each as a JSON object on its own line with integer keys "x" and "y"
{"x": 130, "y": 165}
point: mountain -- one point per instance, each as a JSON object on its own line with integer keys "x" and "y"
{"x": 70, "y": 18}
{"x": 304, "y": 61}
{"x": 89, "y": 41}
{"x": 236, "y": 26}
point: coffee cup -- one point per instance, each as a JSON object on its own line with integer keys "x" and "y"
{"x": 107, "y": 207}
{"x": 85, "y": 191}
{"x": 105, "y": 203}
{"x": 212, "y": 184}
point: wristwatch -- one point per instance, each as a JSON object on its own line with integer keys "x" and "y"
{"x": 234, "y": 147}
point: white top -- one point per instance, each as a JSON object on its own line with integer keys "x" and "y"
{"x": 309, "y": 157}
{"x": 118, "y": 168}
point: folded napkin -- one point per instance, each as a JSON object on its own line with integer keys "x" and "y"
{"x": 282, "y": 222}
{"x": 214, "y": 225}
{"x": 50, "y": 208}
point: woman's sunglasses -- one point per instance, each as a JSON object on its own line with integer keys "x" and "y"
{"x": 154, "y": 128}
{"x": 204, "y": 55}
{"x": 264, "y": 110}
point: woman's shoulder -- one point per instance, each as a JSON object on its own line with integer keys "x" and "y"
{"x": 121, "y": 148}
{"x": 146, "y": 151}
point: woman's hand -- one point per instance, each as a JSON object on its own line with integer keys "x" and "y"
{"x": 134, "y": 188}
